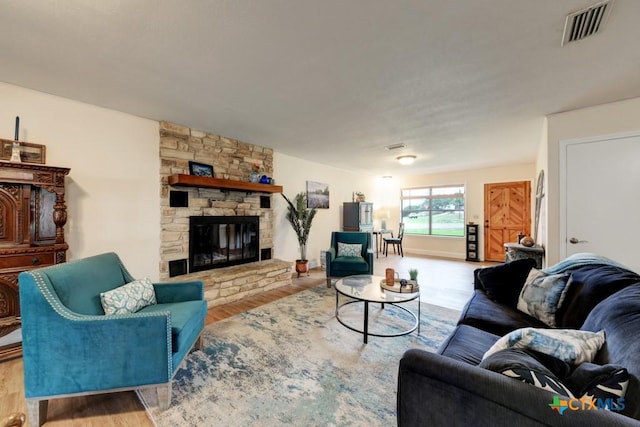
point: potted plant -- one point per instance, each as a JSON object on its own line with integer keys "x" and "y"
{"x": 413, "y": 274}
{"x": 300, "y": 217}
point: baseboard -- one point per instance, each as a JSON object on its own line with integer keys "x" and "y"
{"x": 441, "y": 254}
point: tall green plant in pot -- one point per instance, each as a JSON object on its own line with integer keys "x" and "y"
{"x": 300, "y": 217}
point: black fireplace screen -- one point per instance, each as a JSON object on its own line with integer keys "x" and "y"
{"x": 221, "y": 241}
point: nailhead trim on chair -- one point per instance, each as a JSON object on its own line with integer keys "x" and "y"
{"x": 63, "y": 311}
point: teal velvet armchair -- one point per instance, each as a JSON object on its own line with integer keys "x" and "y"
{"x": 345, "y": 262}
{"x": 71, "y": 347}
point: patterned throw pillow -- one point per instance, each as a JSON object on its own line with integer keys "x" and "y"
{"x": 542, "y": 295}
{"x": 569, "y": 345}
{"x": 538, "y": 379}
{"x": 599, "y": 381}
{"x": 530, "y": 367}
{"x": 349, "y": 249}
{"x": 128, "y": 298}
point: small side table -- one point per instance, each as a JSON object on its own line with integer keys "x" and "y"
{"x": 380, "y": 233}
{"x": 514, "y": 251}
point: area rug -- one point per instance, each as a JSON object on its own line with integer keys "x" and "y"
{"x": 291, "y": 363}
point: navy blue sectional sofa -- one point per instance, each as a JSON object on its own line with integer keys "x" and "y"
{"x": 448, "y": 388}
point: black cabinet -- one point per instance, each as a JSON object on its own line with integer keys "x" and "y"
{"x": 357, "y": 216}
{"x": 472, "y": 242}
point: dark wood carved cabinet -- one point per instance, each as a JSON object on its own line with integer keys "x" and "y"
{"x": 32, "y": 218}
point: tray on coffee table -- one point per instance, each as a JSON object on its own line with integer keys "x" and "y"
{"x": 410, "y": 287}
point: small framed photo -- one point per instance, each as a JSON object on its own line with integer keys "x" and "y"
{"x": 29, "y": 152}
{"x": 200, "y": 169}
{"x": 472, "y": 237}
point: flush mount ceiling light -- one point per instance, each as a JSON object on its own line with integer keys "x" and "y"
{"x": 406, "y": 159}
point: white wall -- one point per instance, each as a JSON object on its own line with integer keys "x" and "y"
{"x": 602, "y": 120}
{"x": 113, "y": 190}
{"x": 474, "y": 181}
{"x": 293, "y": 173}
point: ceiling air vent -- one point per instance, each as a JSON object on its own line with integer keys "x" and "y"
{"x": 586, "y": 22}
{"x": 395, "y": 146}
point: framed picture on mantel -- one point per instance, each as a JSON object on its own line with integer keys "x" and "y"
{"x": 200, "y": 169}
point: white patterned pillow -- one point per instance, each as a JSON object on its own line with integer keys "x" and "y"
{"x": 569, "y": 345}
{"x": 128, "y": 298}
{"x": 349, "y": 249}
{"x": 542, "y": 295}
{"x": 539, "y": 380}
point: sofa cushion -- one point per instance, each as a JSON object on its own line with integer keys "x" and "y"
{"x": 186, "y": 317}
{"x": 481, "y": 312}
{"x": 569, "y": 345}
{"x": 353, "y": 265}
{"x": 467, "y": 344}
{"x": 598, "y": 382}
{"x": 128, "y": 298}
{"x": 531, "y": 367}
{"x": 542, "y": 295}
{"x": 503, "y": 283}
{"x": 588, "y": 286}
{"x": 349, "y": 249}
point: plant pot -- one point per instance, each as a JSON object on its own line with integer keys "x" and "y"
{"x": 302, "y": 267}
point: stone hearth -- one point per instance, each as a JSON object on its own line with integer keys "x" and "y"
{"x": 228, "y": 284}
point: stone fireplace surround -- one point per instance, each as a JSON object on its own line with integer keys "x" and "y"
{"x": 234, "y": 160}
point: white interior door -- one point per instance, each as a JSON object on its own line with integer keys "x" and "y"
{"x": 602, "y": 198}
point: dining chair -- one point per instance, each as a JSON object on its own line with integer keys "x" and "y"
{"x": 395, "y": 241}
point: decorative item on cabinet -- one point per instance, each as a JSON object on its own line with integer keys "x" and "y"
{"x": 15, "y": 146}
{"x": 32, "y": 200}
{"x": 514, "y": 251}
{"x": 472, "y": 242}
{"x": 29, "y": 152}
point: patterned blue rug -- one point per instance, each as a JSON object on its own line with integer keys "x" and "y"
{"x": 291, "y": 363}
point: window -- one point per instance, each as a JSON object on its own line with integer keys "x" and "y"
{"x": 434, "y": 211}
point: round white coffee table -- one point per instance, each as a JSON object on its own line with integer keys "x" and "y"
{"x": 366, "y": 289}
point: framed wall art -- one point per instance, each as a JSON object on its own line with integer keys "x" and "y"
{"x": 200, "y": 169}
{"x": 317, "y": 195}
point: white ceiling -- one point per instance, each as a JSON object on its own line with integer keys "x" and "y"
{"x": 464, "y": 84}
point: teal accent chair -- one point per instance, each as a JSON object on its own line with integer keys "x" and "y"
{"x": 70, "y": 347}
{"x": 341, "y": 266}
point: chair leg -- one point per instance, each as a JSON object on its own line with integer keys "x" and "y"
{"x": 401, "y": 251}
{"x": 328, "y": 282}
{"x": 164, "y": 396}
{"x": 37, "y": 411}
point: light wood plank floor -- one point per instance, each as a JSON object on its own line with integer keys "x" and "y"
{"x": 443, "y": 282}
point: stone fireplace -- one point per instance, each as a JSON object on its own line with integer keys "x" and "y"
{"x": 231, "y": 160}
{"x": 222, "y": 241}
